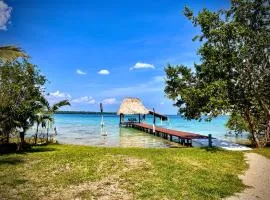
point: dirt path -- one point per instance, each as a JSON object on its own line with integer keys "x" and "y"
{"x": 257, "y": 176}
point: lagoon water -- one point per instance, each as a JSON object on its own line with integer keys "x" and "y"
{"x": 85, "y": 129}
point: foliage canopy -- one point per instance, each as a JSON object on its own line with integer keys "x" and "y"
{"x": 234, "y": 72}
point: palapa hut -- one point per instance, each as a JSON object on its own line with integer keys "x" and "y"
{"x": 131, "y": 106}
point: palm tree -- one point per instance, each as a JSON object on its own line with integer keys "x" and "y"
{"x": 46, "y": 114}
{"x": 39, "y": 118}
{"x": 10, "y": 53}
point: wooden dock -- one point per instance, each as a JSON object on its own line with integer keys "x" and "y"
{"x": 184, "y": 138}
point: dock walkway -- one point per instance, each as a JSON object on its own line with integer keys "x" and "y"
{"x": 185, "y": 138}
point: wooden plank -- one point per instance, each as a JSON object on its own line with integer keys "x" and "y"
{"x": 170, "y": 132}
{"x": 163, "y": 117}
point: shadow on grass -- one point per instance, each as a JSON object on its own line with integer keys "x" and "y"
{"x": 37, "y": 149}
{"x": 212, "y": 149}
{"x": 26, "y": 148}
{"x": 10, "y": 161}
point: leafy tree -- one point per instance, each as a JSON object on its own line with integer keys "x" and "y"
{"x": 20, "y": 94}
{"x": 234, "y": 72}
{"x": 237, "y": 123}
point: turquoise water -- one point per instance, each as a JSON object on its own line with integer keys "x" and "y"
{"x": 85, "y": 129}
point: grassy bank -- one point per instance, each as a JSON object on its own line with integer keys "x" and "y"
{"x": 67, "y": 172}
{"x": 263, "y": 151}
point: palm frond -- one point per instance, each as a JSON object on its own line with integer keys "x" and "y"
{"x": 56, "y": 106}
{"x": 11, "y": 53}
{"x": 44, "y": 102}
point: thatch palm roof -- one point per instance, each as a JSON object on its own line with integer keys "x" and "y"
{"x": 132, "y": 106}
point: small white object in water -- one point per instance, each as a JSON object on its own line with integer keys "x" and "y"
{"x": 105, "y": 134}
{"x": 154, "y": 128}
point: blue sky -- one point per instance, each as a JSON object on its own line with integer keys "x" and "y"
{"x": 102, "y": 51}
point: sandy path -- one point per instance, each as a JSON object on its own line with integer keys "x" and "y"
{"x": 257, "y": 176}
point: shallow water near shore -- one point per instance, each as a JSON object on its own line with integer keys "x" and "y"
{"x": 85, "y": 129}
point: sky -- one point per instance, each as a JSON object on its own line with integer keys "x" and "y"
{"x": 94, "y": 51}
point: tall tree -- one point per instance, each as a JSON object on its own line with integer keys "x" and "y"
{"x": 234, "y": 71}
{"x": 20, "y": 94}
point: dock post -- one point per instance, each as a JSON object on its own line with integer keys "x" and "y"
{"x": 210, "y": 140}
{"x": 190, "y": 142}
{"x": 120, "y": 119}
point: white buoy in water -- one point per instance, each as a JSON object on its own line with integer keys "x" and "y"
{"x": 102, "y": 132}
{"x": 102, "y": 122}
{"x": 154, "y": 128}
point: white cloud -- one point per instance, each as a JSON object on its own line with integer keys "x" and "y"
{"x": 5, "y": 13}
{"x": 85, "y": 99}
{"x": 104, "y": 72}
{"x": 60, "y": 94}
{"x": 109, "y": 101}
{"x": 78, "y": 71}
{"x": 57, "y": 96}
{"x": 140, "y": 65}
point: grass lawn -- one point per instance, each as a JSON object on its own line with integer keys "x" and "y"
{"x": 263, "y": 151}
{"x": 69, "y": 172}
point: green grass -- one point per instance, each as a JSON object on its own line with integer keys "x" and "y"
{"x": 263, "y": 151}
{"x": 69, "y": 172}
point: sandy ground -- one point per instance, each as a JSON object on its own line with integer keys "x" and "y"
{"x": 257, "y": 177}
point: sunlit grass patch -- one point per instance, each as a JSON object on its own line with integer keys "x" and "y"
{"x": 69, "y": 171}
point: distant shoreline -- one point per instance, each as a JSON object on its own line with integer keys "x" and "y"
{"x": 84, "y": 112}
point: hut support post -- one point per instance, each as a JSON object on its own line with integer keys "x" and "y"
{"x": 139, "y": 118}
{"x": 210, "y": 140}
{"x": 120, "y": 120}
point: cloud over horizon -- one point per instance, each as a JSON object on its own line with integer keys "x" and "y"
{"x": 5, "y": 14}
{"x": 80, "y": 72}
{"x": 85, "y": 99}
{"x": 57, "y": 96}
{"x": 109, "y": 101}
{"x": 60, "y": 94}
{"x": 140, "y": 65}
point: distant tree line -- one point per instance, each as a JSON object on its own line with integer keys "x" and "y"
{"x": 84, "y": 112}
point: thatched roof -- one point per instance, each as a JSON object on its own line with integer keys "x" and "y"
{"x": 132, "y": 106}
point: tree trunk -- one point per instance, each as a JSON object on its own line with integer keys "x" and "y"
{"x": 47, "y": 139}
{"x": 267, "y": 133}
{"x": 22, "y": 134}
{"x": 6, "y": 134}
{"x": 36, "y": 133}
{"x": 255, "y": 139}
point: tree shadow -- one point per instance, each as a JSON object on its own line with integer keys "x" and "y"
{"x": 10, "y": 161}
{"x": 37, "y": 149}
{"x": 212, "y": 149}
{"x": 26, "y": 148}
